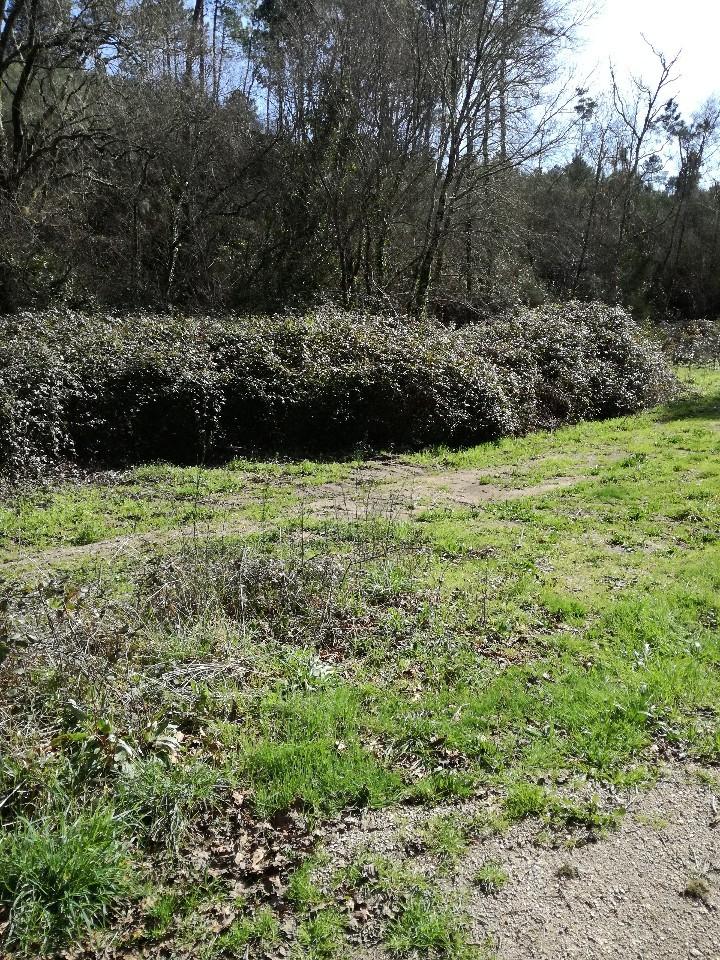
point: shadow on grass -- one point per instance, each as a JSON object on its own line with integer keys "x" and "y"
{"x": 692, "y": 407}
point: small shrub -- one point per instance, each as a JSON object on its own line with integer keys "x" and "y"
{"x": 697, "y": 888}
{"x": 59, "y": 877}
{"x": 692, "y": 342}
{"x": 36, "y": 385}
{"x": 242, "y": 586}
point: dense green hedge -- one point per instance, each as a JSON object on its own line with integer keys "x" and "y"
{"x": 115, "y": 389}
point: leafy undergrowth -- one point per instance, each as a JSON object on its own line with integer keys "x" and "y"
{"x": 180, "y": 732}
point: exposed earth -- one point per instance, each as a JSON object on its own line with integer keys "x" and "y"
{"x": 628, "y": 896}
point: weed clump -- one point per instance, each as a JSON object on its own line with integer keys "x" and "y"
{"x": 162, "y": 799}
{"x": 426, "y": 928}
{"x": 445, "y": 836}
{"x": 697, "y": 888}
{"x": 491, "y": 877}
{"x": 60, "y": 876}
{"x": 527, "y": 800}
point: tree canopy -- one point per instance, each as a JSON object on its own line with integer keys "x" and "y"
{"x": 425, "y": 154}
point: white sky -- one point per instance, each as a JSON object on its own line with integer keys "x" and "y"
{"x": 691, "y": 26}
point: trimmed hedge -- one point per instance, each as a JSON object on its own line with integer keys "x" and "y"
{"x": 101, "y": 389}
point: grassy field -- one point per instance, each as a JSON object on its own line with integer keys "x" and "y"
{"x": 206, "y": 671}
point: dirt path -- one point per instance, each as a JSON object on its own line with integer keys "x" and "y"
{"x": 628, "y": 900}
{"x": 121, "y": 546}
{"x": 390, "y": 489}
{"x": 625, "y": 897}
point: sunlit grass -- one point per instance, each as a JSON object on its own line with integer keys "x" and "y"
{"x": 511, "y": 650}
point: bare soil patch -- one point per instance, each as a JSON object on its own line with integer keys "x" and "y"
{"x": 468, "y": 487}
{"x": 649, "y": 891}
{"x": 400, "y": 494}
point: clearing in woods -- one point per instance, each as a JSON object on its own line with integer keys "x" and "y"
{"x": 468, "y": 703}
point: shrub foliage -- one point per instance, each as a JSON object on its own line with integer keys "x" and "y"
{"x": 114, "y": 389}
{"x": 693, "y": 342}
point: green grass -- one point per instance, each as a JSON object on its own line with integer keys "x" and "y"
{"x": 318, "y": 776}
{"x": 523, "y": 650}
{"x": 162, "y": 799}
{"x": 490, "y": 878}
{"x": 426, "y": 928}
{"x": 81, "y": 516}
{"x": 525, "y": 800}
{"x": 261, "y": 928}
{"x": 445, "y": 837}
{"x": 320, "y": 937}
{"x": 161, "y": 498}
{"x": 165, "y": 910}
{"x": 376, "y": 875}
{"x": 59, "y": 877}
{"x": 302, "y": 890}
{"x": 161, "y": 914}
